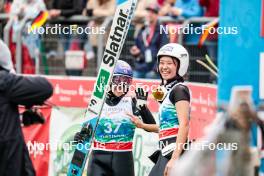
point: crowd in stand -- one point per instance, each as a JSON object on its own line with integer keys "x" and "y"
{"x": 147, "y": 36}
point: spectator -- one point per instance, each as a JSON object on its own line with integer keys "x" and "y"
{"x": 99, "y": 8}
{"x": 211, "y": 10}
{"x": 160, "y": 2}
{"x": 5, "y": 6}
{"x": 148, "y": 41}
{"x": 2, "y": 4}
{"x": 141, "y": 11}
{"x": 137, "y": 24}
{"x": 182, "y": 8}
{"x": 211, "y": 7}
{"x": 17, "y": 90}
{"x": 22, "y": 9}
{"x": 48, "y": 3}
{"x": 67, "y": 9}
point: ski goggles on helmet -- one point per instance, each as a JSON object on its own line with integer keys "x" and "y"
{"x": 121, "y": 79}
{"x": 160, "y": 93}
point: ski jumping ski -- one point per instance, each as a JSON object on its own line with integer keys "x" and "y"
{"x": 114, "y": 45}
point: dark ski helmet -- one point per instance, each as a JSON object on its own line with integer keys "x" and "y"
{"x": 123, "y": 68}
{"x": 123, "y": 74}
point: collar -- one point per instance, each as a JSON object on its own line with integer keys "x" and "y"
{"x": 111, "y": 99}
{"x": 171, "y": 82}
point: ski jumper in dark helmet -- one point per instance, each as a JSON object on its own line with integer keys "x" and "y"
{"x": 113, "y": 143}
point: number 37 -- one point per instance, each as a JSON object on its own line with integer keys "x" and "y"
{"x": 109, "y": 129}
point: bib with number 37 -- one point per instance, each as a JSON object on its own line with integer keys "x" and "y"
{"x": 115, "y": 125}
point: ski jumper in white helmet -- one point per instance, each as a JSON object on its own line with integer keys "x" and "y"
{"x": 168, "y": 116}
{"x": 178, "y": 52}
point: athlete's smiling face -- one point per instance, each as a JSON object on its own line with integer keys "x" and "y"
{"x": 168, "y": 67}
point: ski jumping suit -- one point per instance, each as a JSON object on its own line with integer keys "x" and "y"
{"x": 169, "y": 123}
{"x": 113, "y": 144}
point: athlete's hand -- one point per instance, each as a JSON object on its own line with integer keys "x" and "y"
{"x": 141, "y": 96}
{"x": 86, "y": 132}
{"x": 169, "y": 167}
{"x": 78, "y": 138}
{"x": 136, "y": 121}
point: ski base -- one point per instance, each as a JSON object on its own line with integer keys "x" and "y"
{"x": 115, "y": 42}
{"x": 82, "y": 151}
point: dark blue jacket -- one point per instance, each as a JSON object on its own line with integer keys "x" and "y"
{"x": 158, "y": 40}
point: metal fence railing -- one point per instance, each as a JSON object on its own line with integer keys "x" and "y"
{"x": 43, "y": 65}
{"x": 52, "y": 52}
{"x": 51, "y": 57}
{"x": 196, "y": 72}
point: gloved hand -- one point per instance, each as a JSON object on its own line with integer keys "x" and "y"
{"x": 79, "y": 137}
{"x": 32, "y": 116}
{"x": 141, "y": 96}
{"x": 85, "y": 133}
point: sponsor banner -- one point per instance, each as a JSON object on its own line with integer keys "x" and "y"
{"x": 71, "y": 92}
{"x": 65, "y": 122}
{"x": 77, "y": 92}
{"x": 203, "y": 108}
{"x": 70, "y": 99}
{"x": 74, "y": 92}
{"x": 144, "y": 145}
{"x": 36, "y": 137}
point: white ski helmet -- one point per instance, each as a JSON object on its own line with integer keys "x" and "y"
{"x": 176, "y": 51}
